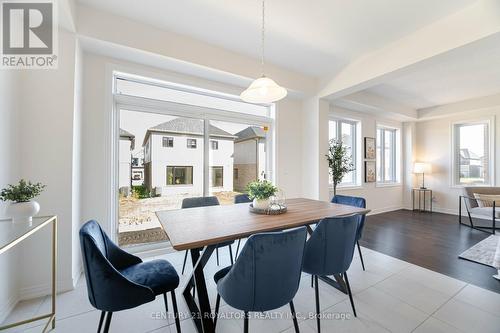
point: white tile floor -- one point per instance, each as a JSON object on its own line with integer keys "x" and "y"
{"x": 390, "y": 296}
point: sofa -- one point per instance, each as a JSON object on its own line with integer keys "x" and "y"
{"x": 480, "y": 208}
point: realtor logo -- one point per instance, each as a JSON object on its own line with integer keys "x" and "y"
{"x": 28, "y": 34}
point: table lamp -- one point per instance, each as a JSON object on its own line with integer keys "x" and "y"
{"x": 422, "y": 168}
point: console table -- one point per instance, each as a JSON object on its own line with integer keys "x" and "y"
{"x": 12, "y": 234}
{"x": 422, "y": 192}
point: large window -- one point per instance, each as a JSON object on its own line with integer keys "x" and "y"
{"x": 168, "y": 141}
{"x": 472, "y": 161}
{"x": 387, "y": 155}
{"x": 217, "y": 179}
{"x": 179, "y": 175}
{"x": 346, "y": 131}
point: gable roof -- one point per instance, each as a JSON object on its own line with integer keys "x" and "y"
{"x": 187, "y": 126}
{"x": 251, "y": 132}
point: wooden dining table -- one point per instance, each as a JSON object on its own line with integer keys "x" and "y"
{"x": 199, "y": 230}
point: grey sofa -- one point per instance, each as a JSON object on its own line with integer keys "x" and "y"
{"x": 474, "y": 210}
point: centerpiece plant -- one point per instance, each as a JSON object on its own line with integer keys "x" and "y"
{"x": 261, "y": 191}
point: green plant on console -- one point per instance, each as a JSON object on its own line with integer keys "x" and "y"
{"x": 24, "y": 191}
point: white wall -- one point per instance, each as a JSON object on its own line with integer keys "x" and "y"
{"x": 124, "y": 157}
{"x": 378, "y": 198}
{"x": 433, "y": 145}
{"x": 9, "y": 173}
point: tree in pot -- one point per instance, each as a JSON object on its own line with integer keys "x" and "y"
{"x": 339, "y": 162}
{"x": 260, "y": 192}
{"x": 22, "y": 207}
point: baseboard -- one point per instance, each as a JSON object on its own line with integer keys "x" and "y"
{"x": 384, "y": 210}
{"x": 45, "y": 289}
{"x": 6, "y": 309}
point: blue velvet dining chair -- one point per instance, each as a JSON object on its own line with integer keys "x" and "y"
{"x": 117, "y": 280}
{"x": 239, "y": 199}
{"x": 265, "y": 276}
{"x": 205, "y": 202}
{"x": 356, "y": 202}
{"x": 329, "y": 251}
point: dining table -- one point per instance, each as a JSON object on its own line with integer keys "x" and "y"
{"x": 200, "y": 229}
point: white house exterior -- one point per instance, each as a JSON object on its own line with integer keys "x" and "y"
{"x": 137, "y": 165}
{"x": 249, "y": 156}
{"x": 126, "y": 145}
{"x": 173, "y": 158}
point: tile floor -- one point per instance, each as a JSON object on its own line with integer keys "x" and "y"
{"x": 390, "y": 296}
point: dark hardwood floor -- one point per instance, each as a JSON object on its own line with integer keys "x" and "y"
{"x": 430, "y": 240}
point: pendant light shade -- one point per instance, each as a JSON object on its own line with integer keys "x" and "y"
{"x": 263, "y": 90}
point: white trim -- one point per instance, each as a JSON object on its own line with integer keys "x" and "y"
{"x": 492, "y": 158}
{"x": 391, "y": 184}
{"x": 377, "y": 211}
{"x": 44, "y": 289}
{"x": 7, "y": 307}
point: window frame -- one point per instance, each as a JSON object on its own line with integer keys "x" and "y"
{"x": 173, "y": 172}
{"x": 212, "y": 142}
{"x": 454, "y": 177}
{"x": 395, "y": 156}
{"x": 356, "y": 128}
{"x": 212, "y": 175}
{"x": 188, "y": 146}
{"x": 168, "y": 139}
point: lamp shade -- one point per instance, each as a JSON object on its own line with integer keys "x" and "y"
{"x": 419, "y": 167}
{"x": 263, "y": 90}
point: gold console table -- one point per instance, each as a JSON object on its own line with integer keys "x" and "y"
{"x": 12, "y": 234}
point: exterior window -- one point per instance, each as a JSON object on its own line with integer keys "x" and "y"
{"x": 472, "y": 161}
{"x": 214, "y": 144}
{"x": 191, "y": 143}
{"x": 168, "y": 141}
{"x": 179, "y": 175}
{"x": 345, "y": 130}
{"x": 387, "y": 155}
{"x": 135, "y": 161}
{"x": 217, "y": 176}
{"x": 235, "y": 173}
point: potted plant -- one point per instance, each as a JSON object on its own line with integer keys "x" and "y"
{"x": 261, "y": 191}
{"x": 22, "y": 207}
{"x": 339, "y": 162}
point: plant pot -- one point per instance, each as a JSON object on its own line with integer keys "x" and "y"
{"x": 261, "y": 203}
{"x": 22, "y": 212}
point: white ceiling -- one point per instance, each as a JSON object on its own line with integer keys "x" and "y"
{"x": 469, "y": 72}
{"x": 316, "y": 38}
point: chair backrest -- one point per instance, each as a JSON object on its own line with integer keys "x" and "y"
{"x": 199, "y": 202}
{"x": 356, "y": 202}
{"x": 470, "y": 190}
{"x": 108, "y": 289}
{"x": 242, "y": 198}
{"x": 266, "y": 274}
{"x": 330, "y": 248}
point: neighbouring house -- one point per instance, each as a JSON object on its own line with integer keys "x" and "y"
{"x": 173, "y": 158}
{"x": 138, "y": 167}
{"x": 249, "y": 156}
{"x": 471, "y": 165}
{"x": 126, "y": 145}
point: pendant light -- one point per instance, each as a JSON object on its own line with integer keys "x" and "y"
{"x": 263, "y": 89}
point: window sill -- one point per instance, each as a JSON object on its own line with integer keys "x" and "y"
{"x": 388, "y": 185}
{"x": 347, "y": 188}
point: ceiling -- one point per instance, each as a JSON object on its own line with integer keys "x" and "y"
{"x": 315, "y": 38}
{"x": 468, "y": 72}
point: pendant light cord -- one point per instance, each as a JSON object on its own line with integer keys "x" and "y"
{"x": 263, "y": 36}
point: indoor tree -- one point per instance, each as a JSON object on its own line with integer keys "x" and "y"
{"x": 339, "y": 162}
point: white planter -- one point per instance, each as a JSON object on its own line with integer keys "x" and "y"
{"x": 261, "y": 203}
{"x": 22, "y": 212}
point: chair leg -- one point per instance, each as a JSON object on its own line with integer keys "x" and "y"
{"x": 165, "y": 300}
{"x": 294, "y": 317}
{"x": 176, "y": 312}
{"x": 350, "y": 293}
{"x": 245, "y": 322}
{"x": 231, "y": 254}
{"x": 184, "y": 264}
{"x": 216, "y": 314}
{"x": 237, "y": 249}
{"x": 217, "y": 254}
{"x": 316, "y": 290}
{"x": 360, "y": 255}
{"x": 108, "y": 322}
{"x": 103, "y": 313}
